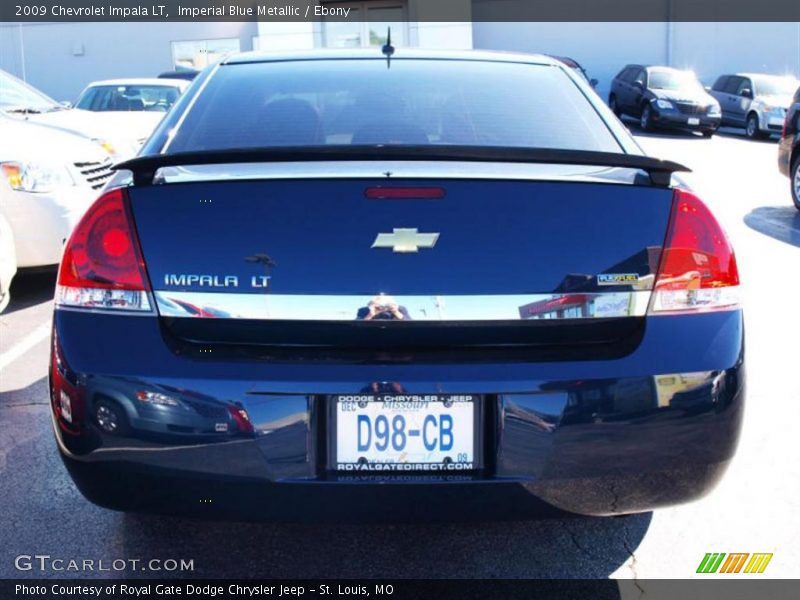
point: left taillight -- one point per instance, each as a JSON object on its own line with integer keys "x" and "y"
{"x": 102, "y": 267}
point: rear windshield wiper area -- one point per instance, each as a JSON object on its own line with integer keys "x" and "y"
{"x": 660, "y": 172}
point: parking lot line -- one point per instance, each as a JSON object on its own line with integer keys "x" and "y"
{"x": 26, "y": 344}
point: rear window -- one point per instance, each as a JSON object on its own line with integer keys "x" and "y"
{"x": 412, "y": 102}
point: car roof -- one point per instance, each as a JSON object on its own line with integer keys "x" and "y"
{"x": 164, "y": 82}
{"x": 770, "y": 75}
{"x": 400, "y": 53}
{"x": 666, "y": 68}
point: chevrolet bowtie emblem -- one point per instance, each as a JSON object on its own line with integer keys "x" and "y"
{"x": 405, "y": 240}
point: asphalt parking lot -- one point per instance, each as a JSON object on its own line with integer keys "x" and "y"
{"x": 756, "y": 508}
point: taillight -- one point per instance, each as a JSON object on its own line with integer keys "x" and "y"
{"x": 241, "y": 418}
{"x": 698, "y": 268}
{"x": 102, "y": 266}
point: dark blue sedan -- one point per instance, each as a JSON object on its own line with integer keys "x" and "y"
{"x": 368, "y": 275}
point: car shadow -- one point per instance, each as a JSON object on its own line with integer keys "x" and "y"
{"x": 31, "y": 288}
{"x": 684, "y": 134}
{"x": 563, "y": 547}
{"x": 739, "y": 134}
{"x": 778, "y": 222}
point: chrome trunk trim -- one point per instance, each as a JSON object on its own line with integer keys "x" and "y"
{"x": 296, "y": 307}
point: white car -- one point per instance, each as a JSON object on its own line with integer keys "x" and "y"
{"x": 138, "y": 105}
{"x": 8, "y": 260}
{"x": 23, "y": 102}
{"x": 48, "y": 178}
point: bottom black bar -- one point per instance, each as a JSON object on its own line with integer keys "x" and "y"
{"x": 399, "y": 589}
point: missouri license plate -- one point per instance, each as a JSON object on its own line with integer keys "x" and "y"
{"x": 386, "y": 433}
{"x": 693, "y": 121}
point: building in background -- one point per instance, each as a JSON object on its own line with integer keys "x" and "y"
{"x": 61, "y": 58}
{"x": 708, "y": 49}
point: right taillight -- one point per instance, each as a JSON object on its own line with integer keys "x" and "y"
{"x": 102, "y": 266}
{"x": 698, "y": 267}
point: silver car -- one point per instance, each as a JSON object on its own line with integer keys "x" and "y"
{"x": 754, "y": 101}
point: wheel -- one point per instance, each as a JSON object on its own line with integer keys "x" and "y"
{"x": 646, "y": 120}
{"x": 751, "y": 129}
{"x": 612, "y": 104}
{"x": 795, "y": 173}
{"x": 110, "y": 417}
{"x": 708, "y": 133}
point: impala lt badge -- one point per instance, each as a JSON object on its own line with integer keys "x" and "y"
{"x": 405, "y": 240}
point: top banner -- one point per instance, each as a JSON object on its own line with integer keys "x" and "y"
{"x": 415, "y": 10}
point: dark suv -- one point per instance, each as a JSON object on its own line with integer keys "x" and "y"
{"x": 664, "y": 97}
{"x": 789, "y": 148}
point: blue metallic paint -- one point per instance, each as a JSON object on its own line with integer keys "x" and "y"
{"x": 588, "y": 436}
{"x": 322, "y": 242}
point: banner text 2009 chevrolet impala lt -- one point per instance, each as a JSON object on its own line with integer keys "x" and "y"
{"x": 422, "y": 271}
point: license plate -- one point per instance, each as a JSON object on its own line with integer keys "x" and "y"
{"x": 693, "y": 121}
{"x": 387, "y": 433}
{"x": 776, "y": 121}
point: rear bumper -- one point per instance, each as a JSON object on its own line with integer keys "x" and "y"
{"x": 678, "y": 120}
{"x": 651, "y": 428}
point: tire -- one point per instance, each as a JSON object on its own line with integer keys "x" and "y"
{"x": 110, "y": 417}
{"x": 751, "y": 127}
{"x": 795, "y": 182}
{"x": 646, "y": 120}
{"x": 708, "y": 133}
{"x": 612, "y": 104}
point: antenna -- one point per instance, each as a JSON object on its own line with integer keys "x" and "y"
{"x": 388, "y": 49}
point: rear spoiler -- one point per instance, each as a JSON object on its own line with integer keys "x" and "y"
{"x": 660, "y": 171}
